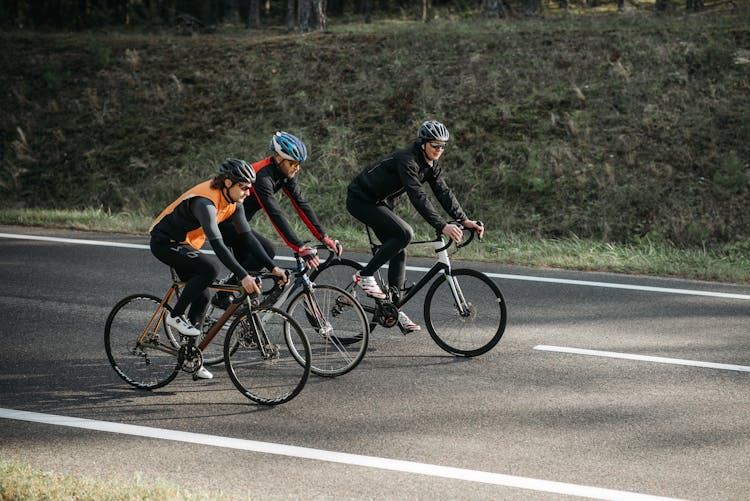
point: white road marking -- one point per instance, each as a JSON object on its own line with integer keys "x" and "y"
{"x": 331, "y": 456}
{"x": 609, "y": 285}
{"x": 101, "y": 243}
{"x": 644, "y": 358}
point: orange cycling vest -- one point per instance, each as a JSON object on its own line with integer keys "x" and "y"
{"x": 196, "y": 237}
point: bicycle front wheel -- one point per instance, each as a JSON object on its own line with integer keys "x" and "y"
{"x": 465, "y": 313}
{"x": 336, "y": 327}
{"x": 140, "y": 346}
{"x": 257, "y": 352}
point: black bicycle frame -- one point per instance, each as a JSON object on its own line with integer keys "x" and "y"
{"x": 431, "y": 273}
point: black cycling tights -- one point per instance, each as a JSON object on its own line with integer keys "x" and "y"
{"x": 193, "y": 267}
{"x": 394, "y": 234}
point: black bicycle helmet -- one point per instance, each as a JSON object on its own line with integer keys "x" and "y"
{"x": 432, "y": 130}
{"x": 237, "y": 170}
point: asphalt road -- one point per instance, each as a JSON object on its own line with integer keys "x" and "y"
{"x": 521, "y": 422}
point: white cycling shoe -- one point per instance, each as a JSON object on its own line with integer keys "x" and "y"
{"x": 203, "y": 373}
{"x": 407, "y": 324}
{"x": 369, "y": 286}
{"x": 182, "y": 326}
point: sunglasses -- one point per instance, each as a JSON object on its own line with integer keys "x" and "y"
{"x": 245, "y": 187}
{"x": 293, "y": 165}
{"x": 437, "y": 146}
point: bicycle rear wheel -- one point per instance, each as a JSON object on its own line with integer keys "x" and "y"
{"x": 339, "y": 273}
{"x": 336, "y": 327}
{"x": 140, "y": 346}
{"x": 259, "y": 359}
{"x": 472, "y": 327}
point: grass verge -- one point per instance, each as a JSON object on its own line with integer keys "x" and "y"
{"x": 20, "y": 481}
{"x": 643, "y": 257}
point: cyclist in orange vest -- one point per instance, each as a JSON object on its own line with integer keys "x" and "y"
{"x": 180, "y": 231}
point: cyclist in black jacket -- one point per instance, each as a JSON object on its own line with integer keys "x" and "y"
{"x": 372, "y": 195}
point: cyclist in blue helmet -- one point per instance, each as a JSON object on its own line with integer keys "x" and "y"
{"x": 372, "y": 195}
{"x": 278, "y": 172}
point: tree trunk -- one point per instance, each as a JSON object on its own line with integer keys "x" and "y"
{"x": 424, "y": 14}
{"x": 290, "y": 15}
{"x": 303, "y": 15}
{"x": 367, "y": 10}
{"x": 319, "y": 19}
{"x": 312, "y": 15}
{"x": 168, "y": 10}
{"x": 253, "y": 15}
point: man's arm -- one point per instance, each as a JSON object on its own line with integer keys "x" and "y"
{"x": 263, "y": 191}
{"x": 446, "y": 198}
{"x": 304, "y": 209}
{"x": 409, "y": 173}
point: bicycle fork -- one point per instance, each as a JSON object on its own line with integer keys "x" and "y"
{"x": 458, "y": 295}
{"x": 257, "y": 335}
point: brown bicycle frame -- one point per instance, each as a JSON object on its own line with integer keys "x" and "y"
{"x": 211, "y": 334}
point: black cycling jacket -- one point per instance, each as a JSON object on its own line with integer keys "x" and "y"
{"x": 405, "y": 170}
{"x": 269, "y": 179}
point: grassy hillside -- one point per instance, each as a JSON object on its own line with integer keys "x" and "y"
{"x": 617, "y": 128}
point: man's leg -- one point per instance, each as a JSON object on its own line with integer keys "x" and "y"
{"x": 195, "y": 269}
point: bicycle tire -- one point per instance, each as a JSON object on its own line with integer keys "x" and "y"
{"x": 467, "y": 335}
{"x": 146, "y": 365}
{"x": 338, "y": 340}
{"x": 339, "y": 273}
{"x": 266, "y": 372}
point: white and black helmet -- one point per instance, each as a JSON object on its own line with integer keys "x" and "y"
{"x": 237, "y": 170}
{"x": 432, "y": 130}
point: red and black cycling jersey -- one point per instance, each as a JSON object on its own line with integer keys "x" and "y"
{"x": 404, "y": 171}
{"x": 269, "y": 180}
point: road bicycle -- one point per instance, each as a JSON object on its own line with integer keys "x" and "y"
{"x": 464, "y": 310}
{"x": 333, "y": 320}
{"x": 267, "y": 353}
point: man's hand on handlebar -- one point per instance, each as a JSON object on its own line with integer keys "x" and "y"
{"x": 310, "y": 255}
{"x": 251, "y": 286}
{"x": 453, "y": 231}
{"x": 333, "y": 245}
{"x": 477, "y": 225}
{"x": 281, "y": 275}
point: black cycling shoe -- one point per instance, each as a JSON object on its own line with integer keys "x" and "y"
{"x": 222, "y": 300}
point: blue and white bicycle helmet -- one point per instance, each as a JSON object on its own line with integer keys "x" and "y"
{"x": 288, "y": 146}
{"x": 432, "y": 130}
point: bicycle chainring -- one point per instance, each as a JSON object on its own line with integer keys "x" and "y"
{"x": 386, "y": 314}
{"x": 190, "y": 358}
